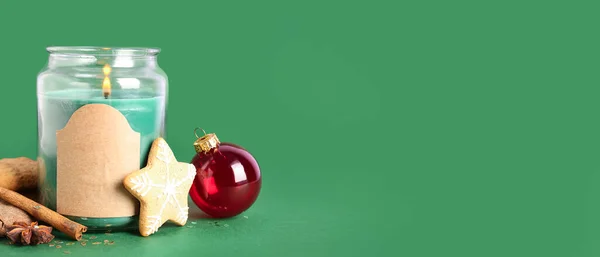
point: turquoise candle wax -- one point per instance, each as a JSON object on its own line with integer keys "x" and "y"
{"x": 145, "y": 114}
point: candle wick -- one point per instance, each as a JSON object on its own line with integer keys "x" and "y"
{"x": 106, "y": 94}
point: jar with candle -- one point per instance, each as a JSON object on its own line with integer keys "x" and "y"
{"x": 99, "y": 110}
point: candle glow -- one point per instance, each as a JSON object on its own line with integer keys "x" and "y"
{"x": 106, "y": 83}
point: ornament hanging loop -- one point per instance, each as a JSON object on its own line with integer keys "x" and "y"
{"x": 205, "y": 143}
{"x": 196, "y": 130}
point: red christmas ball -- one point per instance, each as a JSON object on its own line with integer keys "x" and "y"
{"x": 228, "y": 178}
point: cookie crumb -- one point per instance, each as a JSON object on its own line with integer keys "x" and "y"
{"x": 83, "y": 243}
{"x": 58, "y": 246}
{"x": 51, "y": 245}
{"x": 96, "y": 243}
{"x": 93, "y": 237}
{"x": 111, "y": 243}
{"x": 70, "y": 243}
{"x": 193, "y": 222}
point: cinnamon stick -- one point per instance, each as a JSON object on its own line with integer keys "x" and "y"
{"x": 10, "y": 214}
{"x": 40, "y": 212}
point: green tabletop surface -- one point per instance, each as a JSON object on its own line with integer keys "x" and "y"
{"x": 254, "y": 232}
{"x": 382, "y": 128}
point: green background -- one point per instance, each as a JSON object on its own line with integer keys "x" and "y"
{"x": 383, "y": 128}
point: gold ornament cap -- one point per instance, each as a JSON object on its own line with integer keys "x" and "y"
{"x": 205, "y": 143}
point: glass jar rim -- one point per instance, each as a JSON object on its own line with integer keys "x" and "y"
{"x": 103, "y": 51}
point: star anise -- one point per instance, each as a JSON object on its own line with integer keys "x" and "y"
{"x": 29, "y": 234}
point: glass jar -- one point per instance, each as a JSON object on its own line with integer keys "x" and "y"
{"x": 99, "y": 110}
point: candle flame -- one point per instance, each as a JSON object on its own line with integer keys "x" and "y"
{"x": 106, "y": 83}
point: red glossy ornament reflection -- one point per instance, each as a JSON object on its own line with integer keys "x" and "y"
{"x": 228, "y": 178}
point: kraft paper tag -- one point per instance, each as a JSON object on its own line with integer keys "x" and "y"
{"x": 96, "y": 150}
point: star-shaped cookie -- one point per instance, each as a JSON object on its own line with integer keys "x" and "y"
{"x": 162, "y": 188}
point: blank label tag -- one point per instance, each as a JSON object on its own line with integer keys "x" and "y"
{"x": 95, "y": 151}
